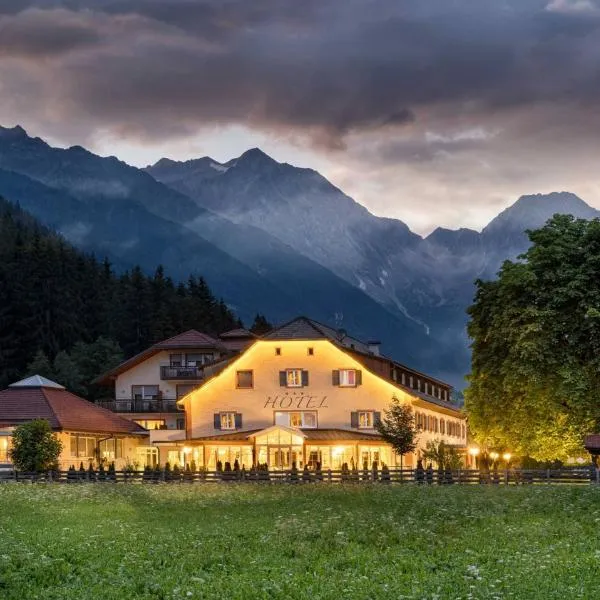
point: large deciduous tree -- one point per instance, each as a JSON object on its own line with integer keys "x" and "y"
{"x": 535, "y": 377}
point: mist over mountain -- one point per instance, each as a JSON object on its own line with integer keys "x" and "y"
{"x": 273, "y": 238}
{"x": 104, "y": 205}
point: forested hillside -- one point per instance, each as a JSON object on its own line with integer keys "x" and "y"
{"x": 53, "y": 297}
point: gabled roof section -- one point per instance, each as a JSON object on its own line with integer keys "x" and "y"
{"x": 188, "y": 340}
{"x": 36, "y": 381}
{"x": 237, "y": 333}
{"x": 63, "y": 410}
{"x": 303, "y": 328}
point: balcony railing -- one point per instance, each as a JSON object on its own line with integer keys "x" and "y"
{"x": 181, "y": 373}
{"x": 141, "y": 406}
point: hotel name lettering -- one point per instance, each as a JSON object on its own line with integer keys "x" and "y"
{"x": 295, "y": 401}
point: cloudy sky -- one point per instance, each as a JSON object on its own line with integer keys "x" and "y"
{"x": 437, "y": 112}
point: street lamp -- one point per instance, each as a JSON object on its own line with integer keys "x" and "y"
{"x": 474, "y": 452}
{"x": 494, "y": 456}
{"x": 507, "y": 456}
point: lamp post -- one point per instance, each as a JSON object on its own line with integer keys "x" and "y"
{"x": 474, "y": 452}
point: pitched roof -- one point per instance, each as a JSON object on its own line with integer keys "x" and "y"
{"x": 592, "y": 442}
{"x": 188, "y": 340}
{"x": 303, "y": 328}
{"x": 63, "y": 410}
{"x": 37, "y": 381}
{"x": 237, "y": 333}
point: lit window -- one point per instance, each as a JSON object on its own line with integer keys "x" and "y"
{"x": 228, "y": 420}
{"x": 347, "y": 377}
{"x": 5, "y": 445}
{"x": 82, "y": 446}
{"x": 365, "y": 420}
{"x": 151, "y": 423}
{"x": 294, "y": 378}
{"x": 307, "y": 419}
{"x": 111, "y": 449}
{"x": 245, "y": 379}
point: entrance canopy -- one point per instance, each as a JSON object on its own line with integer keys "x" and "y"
{"x": 278, "y": 435}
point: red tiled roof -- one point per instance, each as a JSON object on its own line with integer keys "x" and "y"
{"x": 63, "y": 410}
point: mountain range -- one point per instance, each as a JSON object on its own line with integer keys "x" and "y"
{"x": 273, "y": 238}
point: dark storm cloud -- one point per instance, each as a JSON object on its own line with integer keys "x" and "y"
{"x": 325, "y": 69}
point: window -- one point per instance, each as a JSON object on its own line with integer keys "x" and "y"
{"x": 347, "y": 377}
{"x": 82, "y": 446}
{"x": 245, "y": 379}
{"x": 197, "y": 359}
{"x": 175, "y": 360}
{"x": 228, "y": 420}
{"x": 277, "y": 351}
{"x": 184, "y": 388}
{"x": 180, "y": 423}
{"x": 144, "y": 392}
{"x": 293, "y": 378}
{"x": 5, "y": 446}
{"x": 307, "y": 419}
{"x": 147, "y": 455}
{"x": 311, "y": 351}
{"x": 151, "y": 423}
{"x": 442, "y": 426}
{"x": 365, "y": 419}
{"x": 111, "y": 449}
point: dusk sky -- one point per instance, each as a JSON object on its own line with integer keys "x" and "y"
{"x": 437, "y": 112}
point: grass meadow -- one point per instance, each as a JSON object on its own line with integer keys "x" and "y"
{"x": 298, "y": 542}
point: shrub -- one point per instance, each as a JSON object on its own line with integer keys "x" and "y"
{"x": 91, "y": 473}
{"x": 35, "y": 447}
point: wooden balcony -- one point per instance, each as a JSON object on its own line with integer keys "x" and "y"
{"x": 182, "y": 373}
{"x": 130, "y": 405}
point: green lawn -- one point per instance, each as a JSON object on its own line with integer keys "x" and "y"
{"x": 249, "y": 541}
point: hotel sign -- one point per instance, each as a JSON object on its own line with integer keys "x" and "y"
{"x": 295, "y": 401}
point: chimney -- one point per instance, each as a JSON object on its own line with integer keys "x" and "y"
{"x": 374, "y": 347}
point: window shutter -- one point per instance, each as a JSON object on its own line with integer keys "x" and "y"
{"x": 376, "y": 418}
{"x": 358, "y": 377}
{"x": 354, "y": 420}
{"x": 304, "y": 378}
{"x": 335, "y": 377}
{"x": 217, "y": 421}
{"x": 282, "y": 378}
{"x": 238, "y": 420}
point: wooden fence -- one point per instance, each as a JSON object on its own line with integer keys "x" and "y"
{"x": 395, "y": 476}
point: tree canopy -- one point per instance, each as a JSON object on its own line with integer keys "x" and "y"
{"x": 35, "y": 448}
{"x": 54, "y": 297}
{"x": 397, "y": 427}
{"x": 535, "y": 377}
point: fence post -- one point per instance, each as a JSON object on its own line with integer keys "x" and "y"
{"x": 547, "y": 476}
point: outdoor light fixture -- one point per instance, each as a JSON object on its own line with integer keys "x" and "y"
{"x": 507, "y": 456}
{"x": 494, "y": 455}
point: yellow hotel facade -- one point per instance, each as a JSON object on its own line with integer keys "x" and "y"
{"x": 307, "y": 394}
